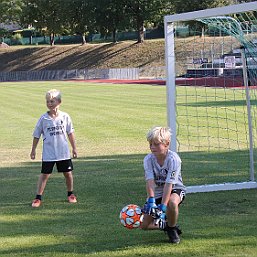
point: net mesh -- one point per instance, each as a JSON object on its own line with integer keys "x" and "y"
{"x": 243, "y": 27}
{"x": 211, "y": 101}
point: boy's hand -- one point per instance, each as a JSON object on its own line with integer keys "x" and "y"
{"x": 74, "y": 153}
{"x": 150, "y": 206}
{"x": 160, "y": 216}
{"x": 33, "y": 155}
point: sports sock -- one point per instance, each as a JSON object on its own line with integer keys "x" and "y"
{"x": 70, "y": 193}
{"x": 39, "y": 197}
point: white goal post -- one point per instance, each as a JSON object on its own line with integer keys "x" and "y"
{"x": 211, "y": 73}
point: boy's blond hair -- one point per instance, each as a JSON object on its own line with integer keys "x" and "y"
{"x": 54, "y": 93}
{"x": 159, "y": 134}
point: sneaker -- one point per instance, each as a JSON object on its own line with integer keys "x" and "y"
{"x": 72, "y": 198}
{"x": 173, "y": 235}
{"x": 36, "y": 203}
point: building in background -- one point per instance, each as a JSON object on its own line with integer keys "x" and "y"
{"x": 10, "y": 26}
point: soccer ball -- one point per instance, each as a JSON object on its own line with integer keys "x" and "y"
{"x": 131, "y": 216}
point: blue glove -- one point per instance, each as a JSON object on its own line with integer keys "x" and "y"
{"x": 162, "y": 207}
{"x": 150, "y": 206}
{"x": 161, "y": 216}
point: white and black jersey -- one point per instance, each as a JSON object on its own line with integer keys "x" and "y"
{"x": 54, "y": 133}
{"x": 170, "y": 172}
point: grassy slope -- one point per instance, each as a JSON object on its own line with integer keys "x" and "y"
{"x": 123, "y": 54}
{"x": 108, "y": 55}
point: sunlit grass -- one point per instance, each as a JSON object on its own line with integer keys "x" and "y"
{"x": 110, "y": 123}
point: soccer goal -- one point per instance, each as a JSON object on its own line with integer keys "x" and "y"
{"x": 211, "y": 80}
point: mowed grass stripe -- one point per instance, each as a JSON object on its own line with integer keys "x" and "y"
{"x": 110, "y": 122}
{"x": 101, "y": 112}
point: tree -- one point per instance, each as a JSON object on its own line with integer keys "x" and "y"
{"x": 189, "y": 5}
{"x": 10, "y": 11}
{"x": 143, "y": 11}
{"x": 79, "y": 17}
{"x": 111, "y": 16}
{"x": 46, "y": 14}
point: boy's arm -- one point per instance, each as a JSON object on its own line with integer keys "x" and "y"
{"x": 150, "y": 185}
{"x": 150, "y": 205}
{"x": 71, "y": 137}
{"x": 33, "y": 148}
{"x": 166, "y": 193}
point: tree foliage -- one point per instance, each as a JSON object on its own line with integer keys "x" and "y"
{"x": 189, "y": 5}
{"x": 45, "y": 15}
{"x": 78, "y": 17}
{"x": 90, "y": 16}
{"x": 143, "y": 11}
{"x": 10, "y": 11}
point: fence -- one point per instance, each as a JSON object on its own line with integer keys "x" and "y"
{"x": 86, "y": 74}
{"x": 25, "y": 37}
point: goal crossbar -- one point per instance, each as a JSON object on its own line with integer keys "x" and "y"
{"x": 245, "y": 7}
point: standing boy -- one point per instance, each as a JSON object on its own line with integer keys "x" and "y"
{"x": 164, "y": 185}
{"x": 56, "y": 129}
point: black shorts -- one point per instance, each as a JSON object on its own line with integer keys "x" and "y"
{"x": 181, "y": 193}
{"x": 62, "y": 166}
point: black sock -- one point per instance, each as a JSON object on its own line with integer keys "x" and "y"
{"x": 39, "y": 197}
{"x": 70, "y": 193}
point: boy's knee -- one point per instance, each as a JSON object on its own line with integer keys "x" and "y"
{"x": 67, "y": 174}
{"x": 147, "y": 220}
{"x": 172, "y": 205}
{"x": 45, "y": 176}
{"x": 144, "y": 226}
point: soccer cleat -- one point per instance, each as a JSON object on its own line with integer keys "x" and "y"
{"x": 178, "y": 229}
{"x": 173, "y": 234}
{"x": 36, "y": 203}
{"x": 72, "y": 198}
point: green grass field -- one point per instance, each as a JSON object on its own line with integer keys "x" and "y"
{"x": 110, "y": 122}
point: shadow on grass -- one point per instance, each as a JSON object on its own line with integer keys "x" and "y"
{"x": 104, "y": 184}
{"x": 47, "y": 58}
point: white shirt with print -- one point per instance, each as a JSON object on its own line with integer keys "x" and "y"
{"x": 170, "y": 172}
{"x": 54, "y": 133}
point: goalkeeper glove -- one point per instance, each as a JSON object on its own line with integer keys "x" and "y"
{"x": 150, "y": 206}
{"x": 161, "y": 216}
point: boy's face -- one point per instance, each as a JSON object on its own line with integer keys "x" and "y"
{"x": 158, "y": 148}
{"x": 52, "y": 103}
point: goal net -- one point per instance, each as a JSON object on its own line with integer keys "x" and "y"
{"x": 211, "y": 80}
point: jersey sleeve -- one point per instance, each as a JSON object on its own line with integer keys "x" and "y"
{"x": 39, "y": 128}
{"x": 174, "y": 170}
{"x": 69, "y": 125}
{"x": 149, "y": 174}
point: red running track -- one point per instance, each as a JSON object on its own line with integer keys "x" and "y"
{"x": 207, "y": 81}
